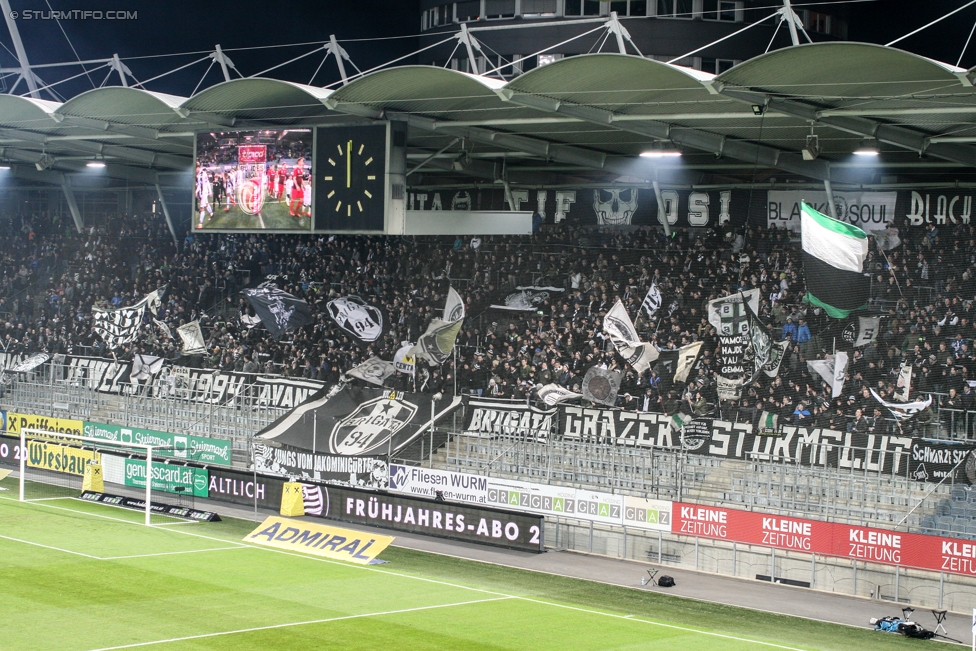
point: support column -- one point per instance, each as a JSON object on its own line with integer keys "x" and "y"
{"x": 25, "y": 70}
{"x": 830, "y": 199}
{"x": 169, "y": 221}
{"x": 69, "y": 196}
{"x": 222, "y": 59}
{"x": 339, "y": 53}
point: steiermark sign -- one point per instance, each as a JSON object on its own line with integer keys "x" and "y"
{"x": 176, "y": 446}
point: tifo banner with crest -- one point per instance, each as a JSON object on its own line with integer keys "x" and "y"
{"x": 355, "y": 421}
{"x": 279, "y": 311}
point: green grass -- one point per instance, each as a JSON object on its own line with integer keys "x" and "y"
{"x": 274, "y": 214}
{"x": 78, "y": 576}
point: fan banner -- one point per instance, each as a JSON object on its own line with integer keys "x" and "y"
{"x": 935, "y": 460}
{"x": 279, "y": 311}
{"x": 356, "y": 421}
{"x": 618, "y": 326}
{"x": 286, "y": 460}
{"x": 869, "y": 210}
{"x": 503, "y": 418}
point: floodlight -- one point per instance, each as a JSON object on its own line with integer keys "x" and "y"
{"x": 44, "y": 162}
{"x": 868, "y": 147}
{"x": 95, "y": 163}
{"x": 812, "y": 148}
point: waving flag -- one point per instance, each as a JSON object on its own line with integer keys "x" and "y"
{"x": 833, "y": 262}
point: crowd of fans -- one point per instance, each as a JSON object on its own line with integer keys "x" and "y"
{"x": 925, "y": 288}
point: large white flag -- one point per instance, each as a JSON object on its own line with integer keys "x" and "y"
{"x": 618, "y": 326}
{"x": 192, "y": 337}
{"x": 373, "y": 370}
{"x": 833, "y": 370}
{"x": 553, "y": 394}
{"x": 902, "y": 411}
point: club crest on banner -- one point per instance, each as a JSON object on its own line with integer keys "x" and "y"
{"x": 371, "y": 425}
{"x": 357, "y": 317}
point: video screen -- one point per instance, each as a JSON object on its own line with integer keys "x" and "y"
{"x": 253, "y": 180}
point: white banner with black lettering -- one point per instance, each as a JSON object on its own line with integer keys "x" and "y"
{"x": 494, "y": 418}
{"x": 870, "y": 211}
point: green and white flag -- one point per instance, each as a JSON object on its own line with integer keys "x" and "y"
{"x": 833, "y": 262}
{"x": 768, "y": 422}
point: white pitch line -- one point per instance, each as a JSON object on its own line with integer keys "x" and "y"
{"x": 464, "y": 587}
{"x": 186, "y": 551}
{"x": 291, "y": 624}
{"x": 57, "y": 549}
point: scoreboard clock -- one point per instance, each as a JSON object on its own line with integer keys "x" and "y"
{"x": 352, "y": 178}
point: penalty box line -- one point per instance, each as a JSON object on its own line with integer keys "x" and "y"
{"x": 309, "y": 622}
{"x": 117, "y": 558}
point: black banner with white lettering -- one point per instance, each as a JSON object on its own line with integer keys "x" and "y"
{"x": 502, "y": 418}
{"x": 933, "y": 461}
{"x": 501, "y": 528}
{"x": 318, "y": 466}
{"x": 824, "y": 448}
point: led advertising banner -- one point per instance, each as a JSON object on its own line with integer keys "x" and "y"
{"x": 253, "y": 180}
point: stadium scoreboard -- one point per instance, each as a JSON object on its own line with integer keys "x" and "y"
{"x": 333, "y": 179}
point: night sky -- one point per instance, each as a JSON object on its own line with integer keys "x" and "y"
{"x": 170, "y": 26}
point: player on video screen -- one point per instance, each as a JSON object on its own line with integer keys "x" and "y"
{"x": 295, "y": 205}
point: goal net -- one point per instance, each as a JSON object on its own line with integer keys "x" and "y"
{"x": 54, "y": 466}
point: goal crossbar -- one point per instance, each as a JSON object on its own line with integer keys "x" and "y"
{"x": 52, "y": 437}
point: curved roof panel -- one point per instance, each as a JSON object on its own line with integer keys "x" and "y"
{"x": 837, "y": 71}
{"x": 621, "y": 84}
{"x": 260, "y": 99}
{"x": 26, "y": 112}
{"x": 120, "y": 105}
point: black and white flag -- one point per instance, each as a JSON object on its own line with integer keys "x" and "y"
{"x": 29, "y": 364}
{"x": 618, "y": 326}
{"x": 250, "y": 320}
{"x": 527, "y": 298}
{"x": 904, "y": 383}
{"x": 553, "y": 394}
{"x": 676, "y": 365}
{"x": 144, "y": 367}
{"x": 373, "y": 370}
{"x": 652, "y": 301}
{"x": 358, "y": 421}
{"x": 727, "y": 388}
{"x": 762, "y": 343}
{"x": 776, "y": 353}
{"x": 902, "y": 411}
{"x": 601, "y": 385}
{"x": 192, "y": 337}
{"x": 437, "y": 343}
{"x": 279, "y": 311}
{"x": 867, "y": 330}
{"x": 118, "y": 327}
{"x": 728, "y": 314}
{"x": 357, "y": 317}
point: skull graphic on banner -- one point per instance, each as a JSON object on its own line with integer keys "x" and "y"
{"x": 615, "y": 206}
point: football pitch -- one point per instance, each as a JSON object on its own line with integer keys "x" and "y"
{"x": 274, "y": 216}
{"x": 80, "y": 576}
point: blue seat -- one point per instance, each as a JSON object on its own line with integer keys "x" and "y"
{"x": 943, "y": 507}
{"x": 960, "y": 494}
{"x": 959, "y": 510}
{"x": 928, "y": 524}
{"x": 959, "y": 525}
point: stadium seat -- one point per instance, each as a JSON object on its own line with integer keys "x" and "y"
{"x": 960, "y": 494}
{"x": 959, "y": 510}
{"x": 928, "y": 524}
{"x": 943, "y": 507}
{"x": 943, "y": 524}
{"x": 971, "y": 494}
{"x": 959, "y": 525}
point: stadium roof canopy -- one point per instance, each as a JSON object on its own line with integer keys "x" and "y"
{"x": 581, "y": 118}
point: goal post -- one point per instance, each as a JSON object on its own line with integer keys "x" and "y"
{"x": 39, "y": 453}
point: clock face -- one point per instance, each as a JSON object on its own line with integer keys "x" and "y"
{"x": 350, "y": 191}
